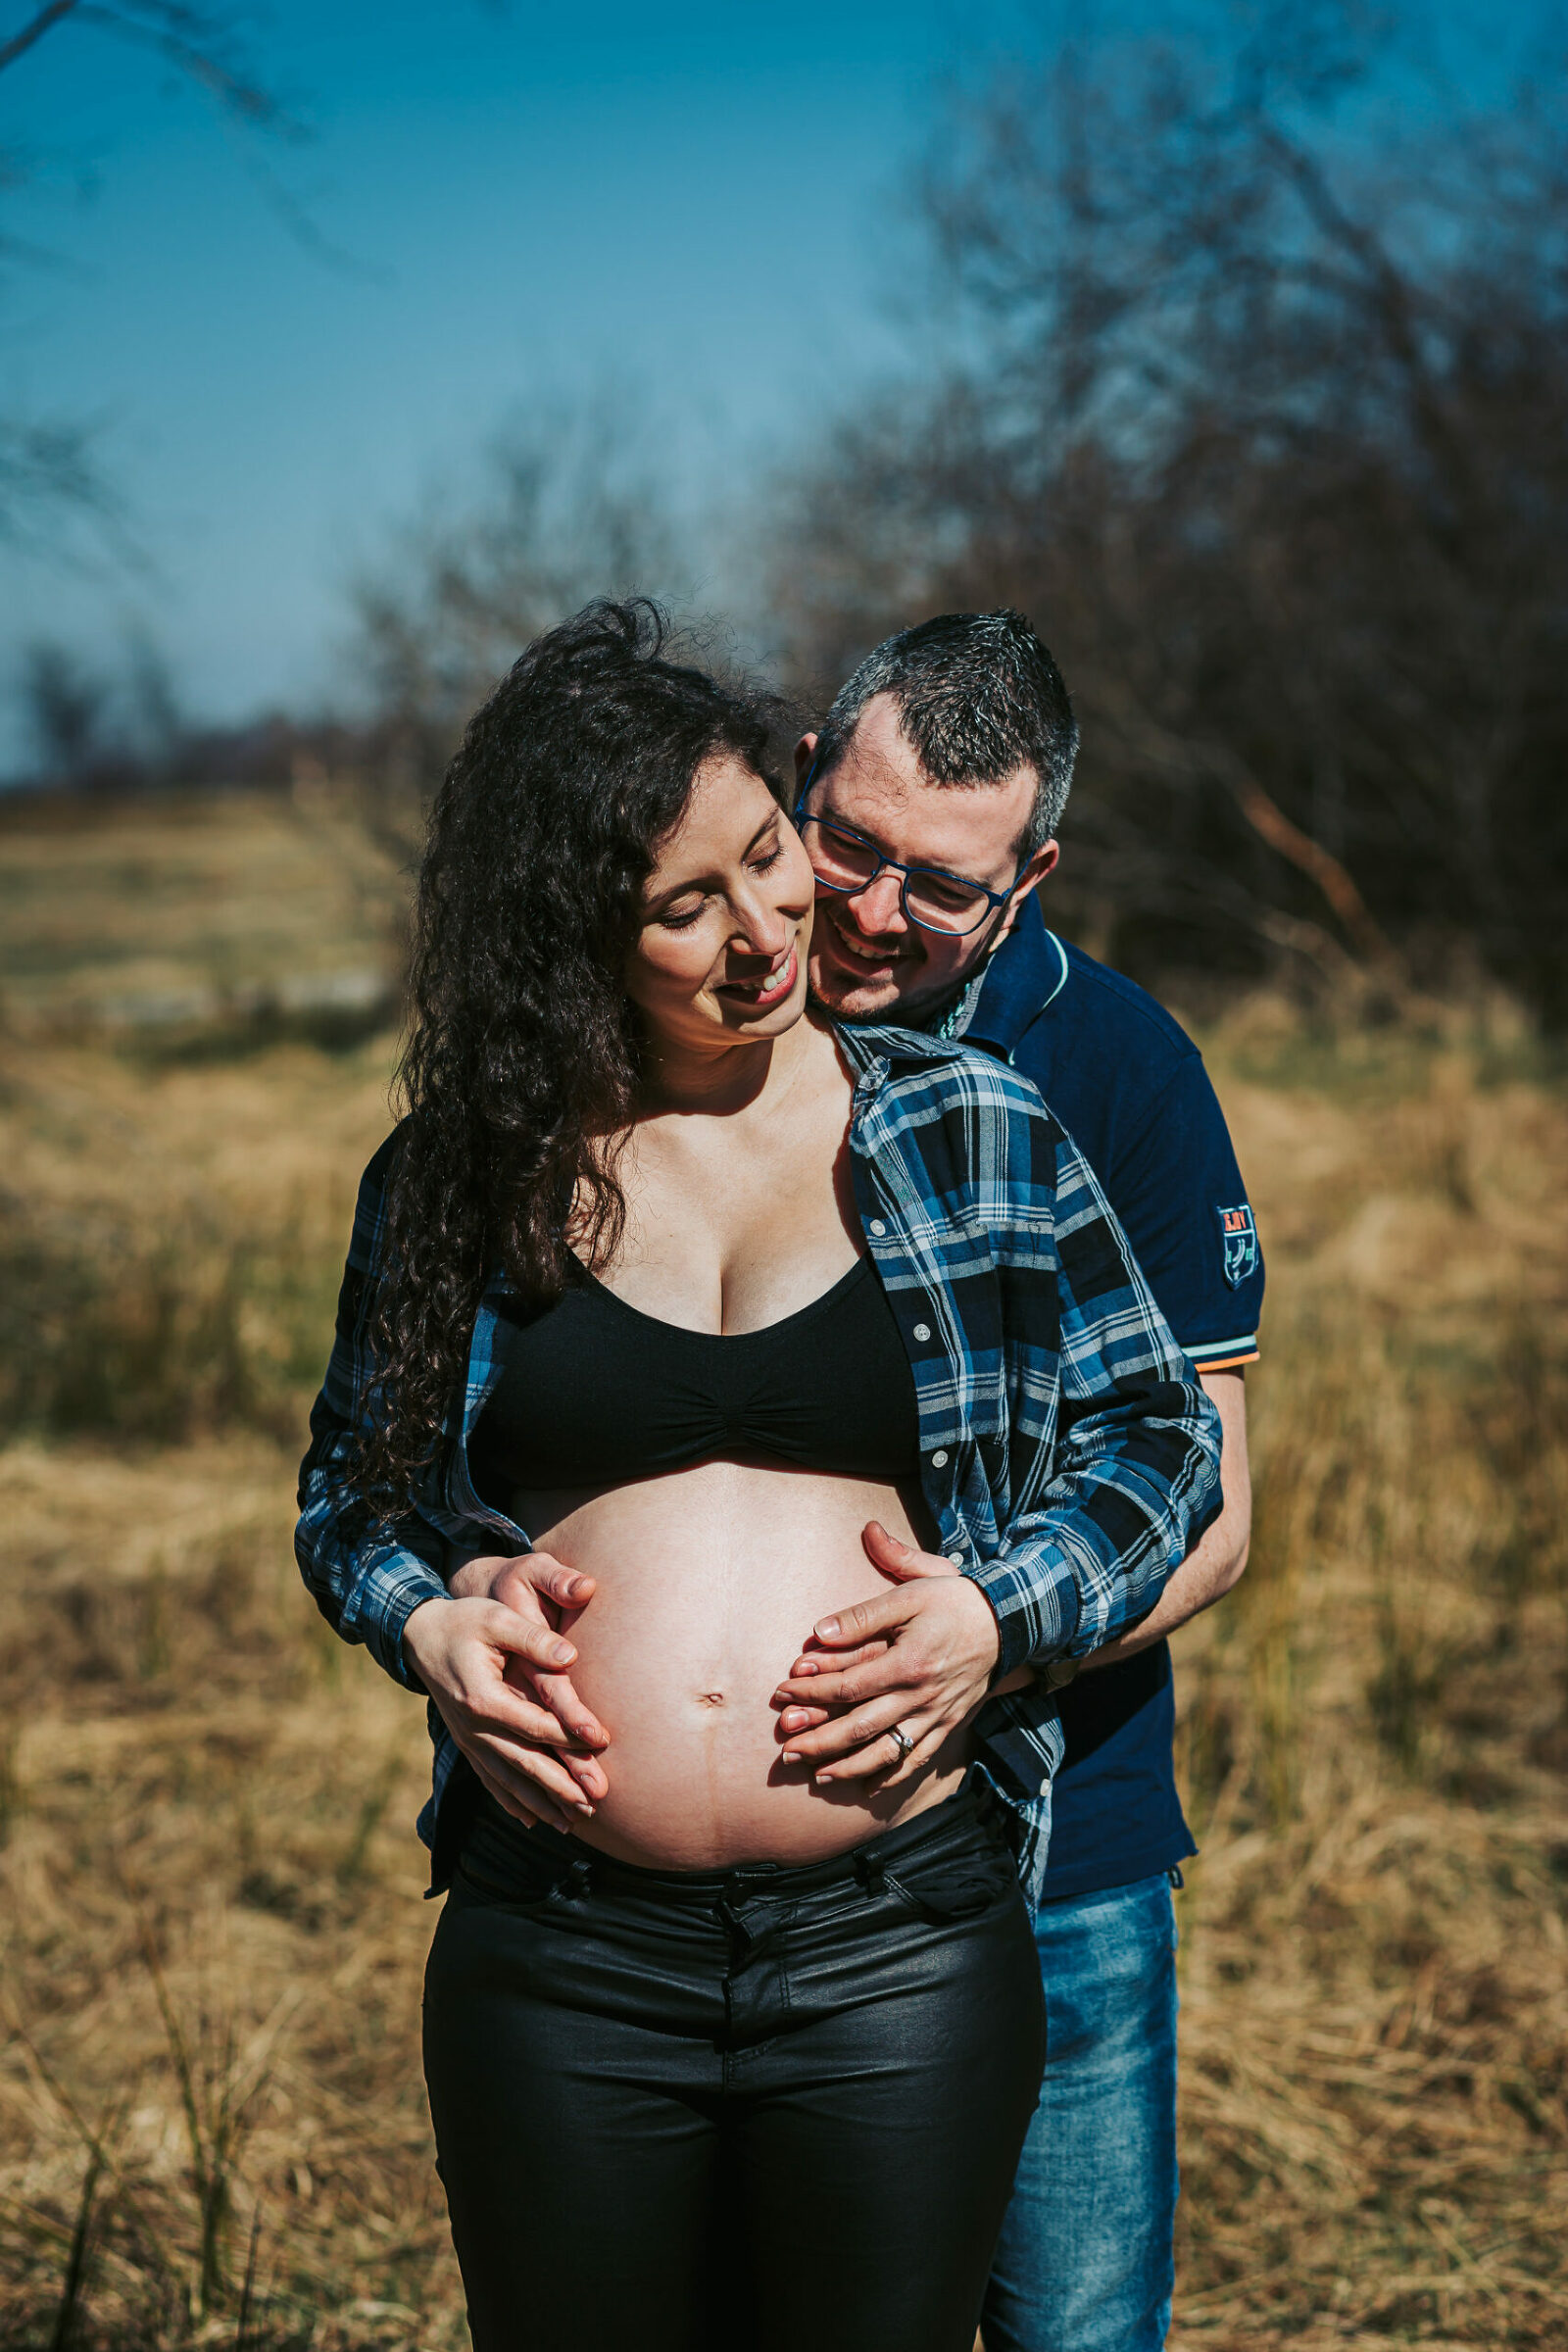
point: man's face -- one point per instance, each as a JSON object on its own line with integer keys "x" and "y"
{"x": 867, "y": 960}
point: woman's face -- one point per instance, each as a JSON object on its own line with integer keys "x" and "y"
{"x": 721, "y": 958}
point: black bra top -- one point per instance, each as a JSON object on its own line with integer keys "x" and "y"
{"x": 593, "y": 1393}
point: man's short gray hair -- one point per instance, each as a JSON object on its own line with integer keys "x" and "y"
{"x": 978, "y": 698}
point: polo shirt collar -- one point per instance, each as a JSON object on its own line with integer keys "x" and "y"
{"x": 1027, "y": 972}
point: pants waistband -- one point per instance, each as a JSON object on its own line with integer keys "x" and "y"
{"x": 953, "y": 1821}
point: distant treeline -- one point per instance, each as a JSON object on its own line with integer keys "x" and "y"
{"x": 274, "y": 751}
{"x": 1257, "y": 402}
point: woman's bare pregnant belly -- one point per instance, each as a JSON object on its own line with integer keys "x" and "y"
{"x": 709, "y": 1583}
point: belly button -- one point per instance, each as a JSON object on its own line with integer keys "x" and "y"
{"x": 711, "y": 1698}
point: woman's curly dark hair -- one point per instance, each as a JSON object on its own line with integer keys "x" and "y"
{"x": 521, "y": 1065}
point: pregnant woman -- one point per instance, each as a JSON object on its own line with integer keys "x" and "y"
{"x": 718, "y": 1313}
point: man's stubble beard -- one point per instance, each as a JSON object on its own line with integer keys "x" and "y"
{"x": 846, "y": 1001}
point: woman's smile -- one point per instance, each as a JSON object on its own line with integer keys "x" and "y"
{"x": 773, "y": 986}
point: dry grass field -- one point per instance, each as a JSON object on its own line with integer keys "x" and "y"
{"x": 212, "y": 2124}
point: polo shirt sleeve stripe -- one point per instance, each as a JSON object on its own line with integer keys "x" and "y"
{"x": 1224, "y": 1355}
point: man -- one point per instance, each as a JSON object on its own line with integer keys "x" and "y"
{"x": 929, "y": 806}
{"x": 951, "y": 750}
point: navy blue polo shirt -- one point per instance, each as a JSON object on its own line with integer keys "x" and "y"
{"x": 1129, "y": 1086}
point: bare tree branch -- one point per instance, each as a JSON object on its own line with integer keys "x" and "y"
{"x": 48, "y": 468}
{"x": 20, "y": 42}
{"x": 1265, "y": 428}
{"x": 191, "y": 41}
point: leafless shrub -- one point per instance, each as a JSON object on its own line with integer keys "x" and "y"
{"x": 107, "y": 1325}
{"x": 566, "y": 507}
{"x": 1264, "y": 424}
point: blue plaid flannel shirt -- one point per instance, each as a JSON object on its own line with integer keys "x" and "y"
{"x": 1067, "y": 1454}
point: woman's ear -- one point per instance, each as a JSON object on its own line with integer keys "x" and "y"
{"x": 804, "y": 754}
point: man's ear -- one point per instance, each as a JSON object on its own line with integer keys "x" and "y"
{"x": 1041, "y": 863}
{"x": 804, "y": 754}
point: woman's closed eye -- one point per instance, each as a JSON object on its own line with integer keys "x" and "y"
{"x": 681, "y": 916}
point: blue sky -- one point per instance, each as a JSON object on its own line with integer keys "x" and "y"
{"x": 692, "y": 204}
{"x": 700, "y": 203}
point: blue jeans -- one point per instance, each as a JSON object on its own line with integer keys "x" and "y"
{"x": 1084, "y": 2260}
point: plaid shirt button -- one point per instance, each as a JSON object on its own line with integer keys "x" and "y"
{"x": 877, "y": 1227}
{"x": 938, "y": 1459}
{"x": 922, "y": 1331}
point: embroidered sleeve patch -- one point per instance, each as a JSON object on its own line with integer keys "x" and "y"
{"x": 1240, "y": 1237}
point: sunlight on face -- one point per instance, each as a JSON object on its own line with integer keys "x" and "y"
{"x": 867, "y": 962}
{"x": 721, "y": 958}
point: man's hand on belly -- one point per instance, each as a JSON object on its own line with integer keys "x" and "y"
{"x": 494, "y": 1661}
{"x": 920, "y": 1657}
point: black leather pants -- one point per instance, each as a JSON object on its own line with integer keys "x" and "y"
{"x": 763, "y": 2110}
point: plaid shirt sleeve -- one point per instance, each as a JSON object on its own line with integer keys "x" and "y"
{"x": 366, "y": 1584}
{"x": 1133, "y": 1477}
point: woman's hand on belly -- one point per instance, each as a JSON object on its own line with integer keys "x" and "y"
{"x": 545, "y": 1593}
{"x": 494, "y": 1661}
{"x": 920, "y": 1657}
{"x": 702, "y": 1579}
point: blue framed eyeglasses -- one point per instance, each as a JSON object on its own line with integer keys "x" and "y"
{"x": 846, "y": 860}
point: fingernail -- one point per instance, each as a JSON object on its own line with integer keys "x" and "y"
{"x": 561, "y": 1653}
{"x": 586, "y": 1810}
{"x": 826, "y": 1628}
{"x": 790, "y": 1757}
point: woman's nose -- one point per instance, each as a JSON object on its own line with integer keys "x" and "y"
{"x": 763, "y": 926}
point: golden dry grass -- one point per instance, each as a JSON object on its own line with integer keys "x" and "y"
{"x": 155, "y": 908}
{"x": 211, "y": 2124}
{"x": 1373, "y": 1742}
